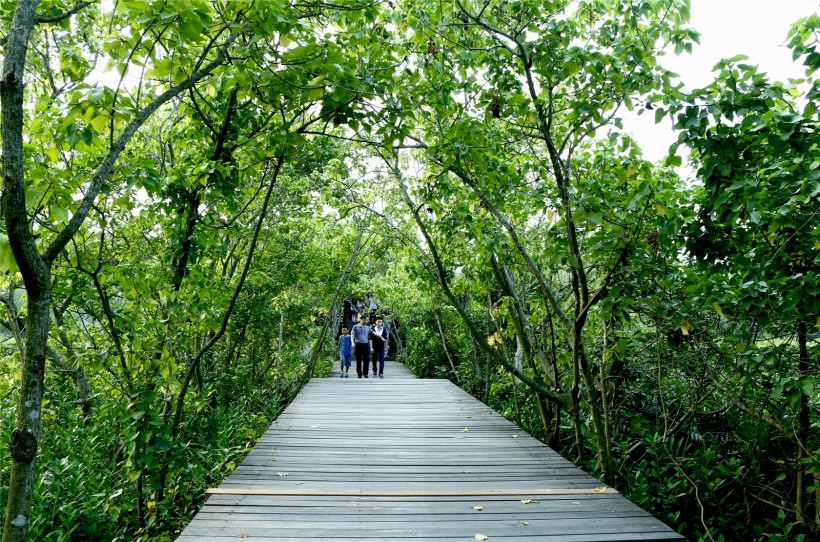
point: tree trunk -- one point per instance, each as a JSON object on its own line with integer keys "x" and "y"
{"x": 394, "y": 332}
{"x": 192, "y": 367}
{"x": 278, "y": 376}
{"x": 487, "y": 358}
{"x": 77, "y": 373}
{"x": 444, "y": 344}
{"x": 36, "y": 274}
{"x": 331, "y": 314}
{"x": 435, "y": 268}
{"x": 36, "y": 268}
{"x": 594, "y": 402}
{"x": 803, "y": 430}
{"x": 28, "y": 427}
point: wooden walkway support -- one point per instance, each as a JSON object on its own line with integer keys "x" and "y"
{"x": 406, "y": 459}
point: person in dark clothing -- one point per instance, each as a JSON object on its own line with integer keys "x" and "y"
{"x": 361, "y": 339}
{"x": 351, "y": 312}
{"x": 378, "y": 338}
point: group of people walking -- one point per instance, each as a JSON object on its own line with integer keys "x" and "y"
{"x": 354, "y": 308}
{"x": 367, "y": 344}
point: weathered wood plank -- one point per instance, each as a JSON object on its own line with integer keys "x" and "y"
{"x": 417, "y": 493}
{"x": 627, "y": 536}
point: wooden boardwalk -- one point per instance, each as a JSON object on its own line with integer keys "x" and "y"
{"x": 406, "y": 459}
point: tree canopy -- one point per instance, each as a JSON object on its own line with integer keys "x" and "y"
{"x": 191, "y": 188}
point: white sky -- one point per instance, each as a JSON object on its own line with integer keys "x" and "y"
{"x": 756, "y": 28}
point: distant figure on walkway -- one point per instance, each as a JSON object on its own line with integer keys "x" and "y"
{"x": 361, "y": 339}
{"x": 386, "y": 317}
{"x": 371, "y": 306}
{"x": 351, "y": 312}
{"x": 378, "y": 337}
{"x": 345, "y": 351}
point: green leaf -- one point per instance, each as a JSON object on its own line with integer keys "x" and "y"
{"x": 114, "y": 511}
{"x": 673, "y": 160}
{"x": 314, "y": 94}
{"x": 9, "y": 264}
{"x": 60, "y": 213}
{"x": 659, "y": 114}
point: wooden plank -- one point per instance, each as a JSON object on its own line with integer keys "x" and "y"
{"x": 496, "y": 530}
{"x": 416, "y": 529}
{"x": 405, "y": 493}
{"x": 617, "y": 537}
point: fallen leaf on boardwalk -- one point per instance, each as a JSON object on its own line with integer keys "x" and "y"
{"x": 525, "y": 523}
{"x": 281, "y": 474}
{"x": 575, "y": 502}
{"x": 528, "y": 501}
{"x": 274, "y": 458}
{"x": 515, "y": 436}
{"x": 468, "y": 417}
{"x": 241, "y": 535}
{"x": 465, "y": 471}
{"x": 478, "y": 507}
{"x": 481, "y": 537}
{"x": 466, "y": 430}
{"x": 601, "y": 489}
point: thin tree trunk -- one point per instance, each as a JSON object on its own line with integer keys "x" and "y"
{"x": 575, "y": 393}
{"x": 331, "y": 314}
{"x": 523, "y": 328}
{"x": 444, "y": 344}
{"x": 279, "y": 355}
{"x": 526, "y": 343}
{"x": 232, "y": 303}
{"x": 602, "y": 373}
{"x": 35, "y": 268}
{"x": 194, "y": 198}
{"x": 14, "y": 319}
{"x": 594, "y": 402}
{"x": 556, "y": 432}
{"x": 518, "y": 357}
{"x": 394, "y": 332}
{"x": 487, "y": 358}
{"x": 438, "y": 272}
{"x": 803, "y": 429}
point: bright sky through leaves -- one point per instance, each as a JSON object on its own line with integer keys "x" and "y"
{"x": 756, "y": 28}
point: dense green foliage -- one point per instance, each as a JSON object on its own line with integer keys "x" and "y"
{"x": 249, "y": 163}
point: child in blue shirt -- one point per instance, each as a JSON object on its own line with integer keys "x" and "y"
{"x": 345, "y": 351}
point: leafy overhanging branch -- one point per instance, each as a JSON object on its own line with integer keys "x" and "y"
{"x": 232, "y": 303}
{"x": 439, "y": 274}
{"x": 104, "y": 169}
